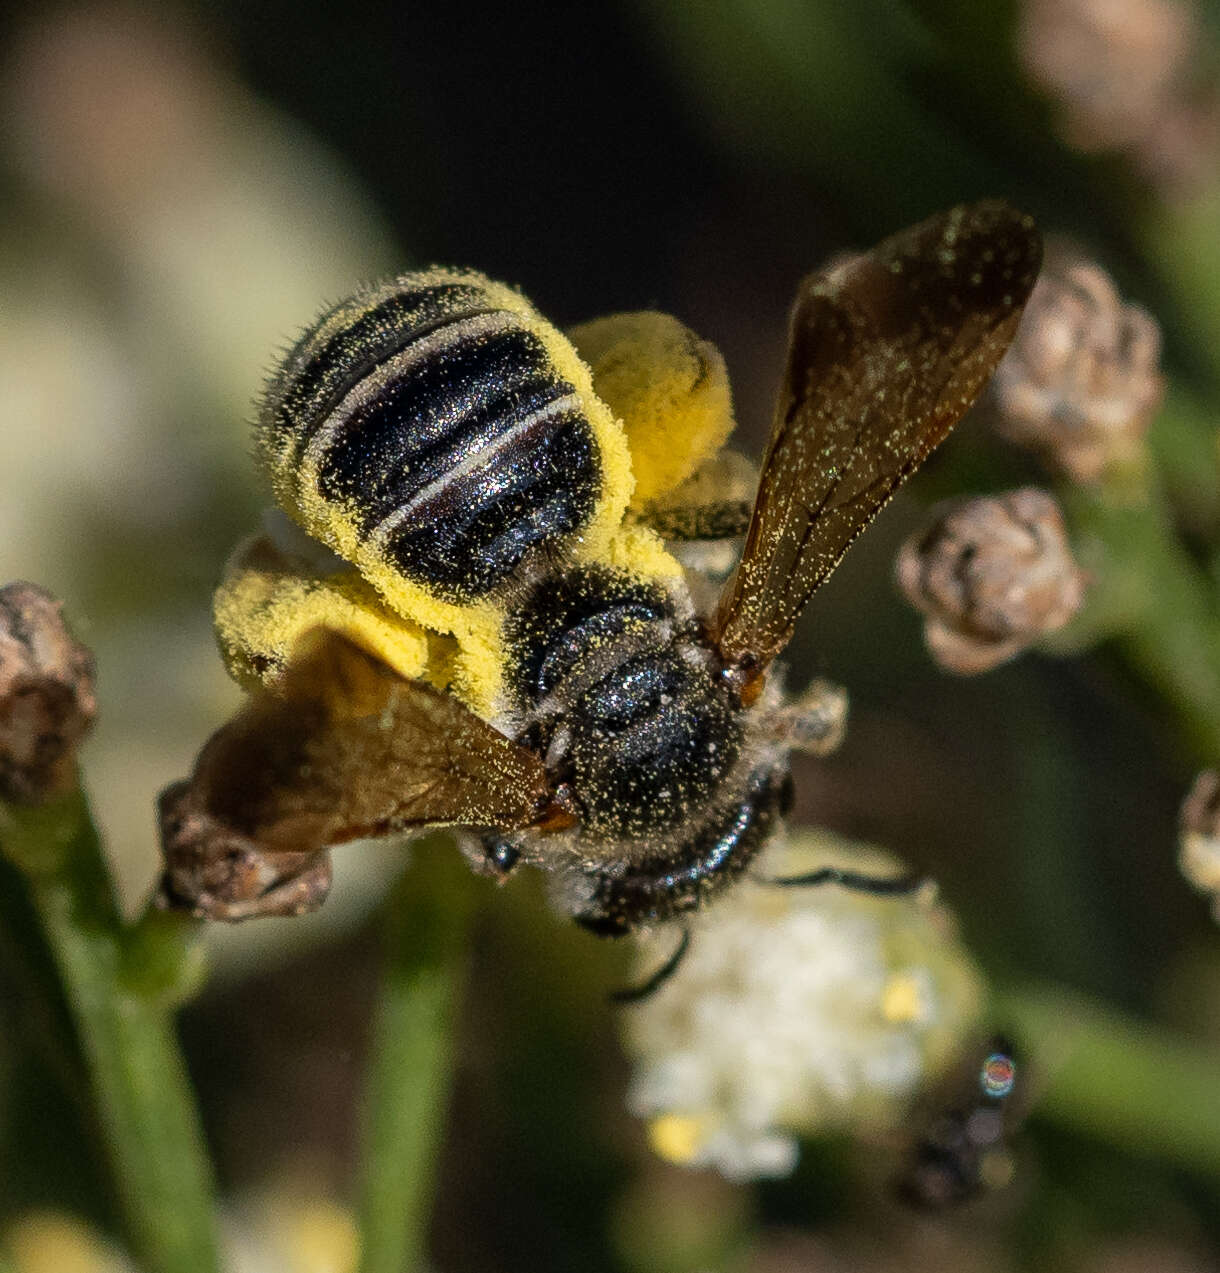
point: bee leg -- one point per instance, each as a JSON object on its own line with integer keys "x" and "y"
{"x": 500, "y": 856}
{"x": 649, "y": 987}
{"x": 703, "y": 522}
{"x": 717, "y": 521}
{"x": 715, "y": 503}
{"x": 881, "y": 885}
{"x": 816, "y": 722}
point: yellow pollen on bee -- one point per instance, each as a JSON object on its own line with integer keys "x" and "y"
{"x": 677, "y": 1137}
{"x": 669, "y": 389}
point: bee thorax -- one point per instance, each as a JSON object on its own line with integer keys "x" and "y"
{"x": 648, "y": 731}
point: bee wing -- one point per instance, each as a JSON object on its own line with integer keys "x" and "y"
{"x": 887, "y": 351}
{"x": 346, "y": 748}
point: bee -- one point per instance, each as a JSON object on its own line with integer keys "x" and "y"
{"x": 487, "y": 624}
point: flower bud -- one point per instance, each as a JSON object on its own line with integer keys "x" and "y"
{"x": 1082, "y": 379}
{"x": 1199, "y": 837}
{"x": 47, "y": 700}
{"x": 991, "y": 575}
{"x": 1125, "y": 77}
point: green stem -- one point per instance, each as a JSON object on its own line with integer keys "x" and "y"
{"x": 1180, "y": 239}
{"x": 1126, "y": 1082}
{"x": 123, "y": 1011}
{"x": 819, "y": 62}
{"x": 1184, "y": 442}
{"x": 408, "y": 1084}
{"x": 1157, "y": 602}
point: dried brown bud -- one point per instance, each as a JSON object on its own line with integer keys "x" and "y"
{"x": 992, "y": 575}
{"x": 47, "y": 699}
{"x": 1199, "y": 836}
{"x": 1125, "y": 78}
{"x": 216, "y": 873}
{"x": 1112, "y": 67}
{"x": 1082, "y": 379}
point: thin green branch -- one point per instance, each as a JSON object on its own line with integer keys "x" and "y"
{"x": 122, "y": 985}
{"x": 1152, "y": 598}
{"x": 1184, "y": 442}
{"x": 1179, "y": 237}
{"x": 1128, "y": 1083}
{"x": 409, "y": 1077}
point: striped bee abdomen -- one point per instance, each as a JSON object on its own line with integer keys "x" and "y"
{"x": 436, "y": 430}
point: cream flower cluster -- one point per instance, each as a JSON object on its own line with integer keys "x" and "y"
{"x": 795, "y": 1010}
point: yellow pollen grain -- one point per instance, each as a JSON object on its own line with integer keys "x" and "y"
{"x": 677, "y": 1138}
{"x": 903, "y": 1001}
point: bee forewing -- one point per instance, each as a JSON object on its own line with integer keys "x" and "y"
{"x": 346, "y": 749}
{"x": 887, "y": 351}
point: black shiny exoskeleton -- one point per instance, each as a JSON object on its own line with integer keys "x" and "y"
{"x": 629, "y": 704}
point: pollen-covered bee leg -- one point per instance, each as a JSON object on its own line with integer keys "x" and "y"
{"x": 647, "y": 988}
{"x": 816, "y": 722}
{"x": 669, "y": 388}
{"x": 716, "y": 521}
{"x": 715, "y": 503}
{"x": 879, "y": 885}
{"x": 703, "y": 520}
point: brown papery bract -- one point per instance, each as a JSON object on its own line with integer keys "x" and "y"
{"x": 47, "y": 699}
{"x": 1082, "y": 380}
{"x": 991, "y": 575}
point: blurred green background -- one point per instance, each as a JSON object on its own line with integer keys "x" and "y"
{"x": 181, "y": 188}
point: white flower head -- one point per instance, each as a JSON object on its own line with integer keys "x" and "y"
{"x": 795, "y": 1010}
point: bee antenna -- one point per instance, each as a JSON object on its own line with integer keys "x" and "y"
{"x": 886, "y": 886}
{"x": 634, "y": 994}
